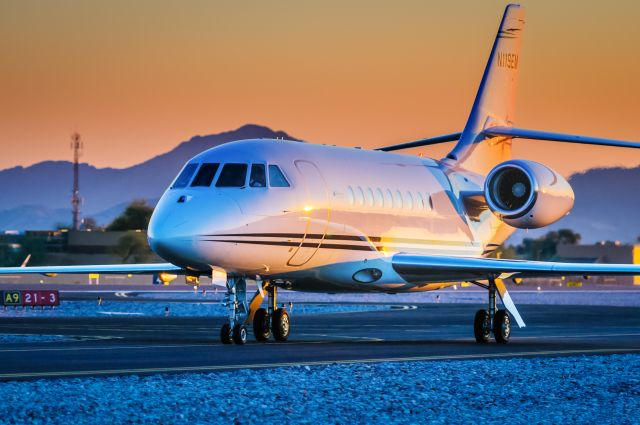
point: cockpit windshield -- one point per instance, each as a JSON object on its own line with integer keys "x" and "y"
{"x": 185, "y": 176}
{"x": 276, "y": 178}
{"x": 258, "y": 177}
{"x": 232, "y": 175}
{"x": 205, "y": 175}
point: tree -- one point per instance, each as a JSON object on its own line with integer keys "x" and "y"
{"x": 545, "y": 247}
{"x": 133, "y": 246}
{"x": 568, "y": 237}
{"x": 135, "y": 217}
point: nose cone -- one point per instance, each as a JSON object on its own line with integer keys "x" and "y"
{"x": 181, "y": 222}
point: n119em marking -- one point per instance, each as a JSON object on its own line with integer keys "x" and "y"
{"x": 508, "y": 60}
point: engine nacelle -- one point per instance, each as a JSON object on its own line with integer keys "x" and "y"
{"x": 527, "y": 194}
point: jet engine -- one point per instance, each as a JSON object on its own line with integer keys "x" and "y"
{"x": 527, "y": 194}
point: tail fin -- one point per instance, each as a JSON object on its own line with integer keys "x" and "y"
{"x": 495, "y": 102}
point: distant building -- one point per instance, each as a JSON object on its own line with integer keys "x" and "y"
{"x": 602, "y": 253}
{"x": 62, "y": 247}
{"x": 79, "y": 242}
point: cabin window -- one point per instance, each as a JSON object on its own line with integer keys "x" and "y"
{"x": 351, "y": 197}
{"x": 185, "y": 176}
{"x": 369, "y": 197}
{"x": 258, "y": 176}
{"x": 388, "y": 200}
{"x": 420, "y": 201}
{"x": 359, "y": 196}
{"x": 398, "y": 199}
{"x": 205, "y": 175}
{"x": 379, "y": 198}
{"x": 276, "y": 178}
{"x": 409, "y": 201}
{"x": 232, "y": 175}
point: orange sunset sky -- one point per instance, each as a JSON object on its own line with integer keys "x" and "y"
{"x": 135, "y": 78}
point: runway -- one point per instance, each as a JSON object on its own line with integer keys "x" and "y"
{"x": 145, "y": 345}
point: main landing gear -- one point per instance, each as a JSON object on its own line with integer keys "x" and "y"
{"x": 266, "y": 322}
{"x": 492, "y": 320}
{"x": 272, "y": 320}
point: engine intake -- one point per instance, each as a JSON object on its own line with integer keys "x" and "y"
{"x": 527, "y": 194}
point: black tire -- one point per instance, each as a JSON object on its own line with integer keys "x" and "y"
{"x": 280, "y": 325}
{"x": 502, "y": 327}
{"x": 225, "y": 334}
{"x": 482, "y": 326}
{"x": 239, "y": 334}
{"x": 261, "y": 325}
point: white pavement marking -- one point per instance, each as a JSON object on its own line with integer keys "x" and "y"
{"x": 117, "y": 347}
{"x": 578, "y": 336}
{"x": 366, "y": 338}
{"x": 214, "y": 368}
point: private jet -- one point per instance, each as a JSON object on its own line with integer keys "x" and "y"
{"x": 309, "y": 217}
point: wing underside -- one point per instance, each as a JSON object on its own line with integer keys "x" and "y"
{"x": 420, "y": 268}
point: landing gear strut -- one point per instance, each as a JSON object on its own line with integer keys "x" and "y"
{"x": 236, "y": 302}
{"x": 492, "y": 320}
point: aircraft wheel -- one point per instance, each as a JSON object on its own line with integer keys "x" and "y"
{"x": 280, "y": 325}
{"x": 261, "y": 325}
{"x": 482, "y": 326}
{"x": 502, "y": 327}
{"x": 239, "y": 334}
{"x": 225, "y": 334}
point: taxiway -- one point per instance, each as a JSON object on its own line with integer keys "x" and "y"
{"x": 145, "y": 345}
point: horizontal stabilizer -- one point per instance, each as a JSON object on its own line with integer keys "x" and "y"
{"x": 105, "y": 269}
{"x": 422, "y": 142}
{"x": 557, "y": 137}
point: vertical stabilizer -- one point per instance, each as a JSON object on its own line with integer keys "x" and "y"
{"x": 495, "y": 102}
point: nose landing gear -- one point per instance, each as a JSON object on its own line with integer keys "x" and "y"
{"x": 236, "y": 301}
{"x": 266, "y": 322}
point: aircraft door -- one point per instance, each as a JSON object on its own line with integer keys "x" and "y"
{"x": 314, "y": 213}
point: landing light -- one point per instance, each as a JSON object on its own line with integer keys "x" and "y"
{"x": 166, "y": 278}
{"x": 192, "y": 279}
{"x": 307, "y": 208}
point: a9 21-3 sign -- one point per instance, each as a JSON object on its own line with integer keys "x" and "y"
{"x": 30, "y": 298}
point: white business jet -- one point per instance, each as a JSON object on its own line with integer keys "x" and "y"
{"x": 321, "y": 218}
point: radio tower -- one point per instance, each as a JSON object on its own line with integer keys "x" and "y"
{"x": 76, "y": 145}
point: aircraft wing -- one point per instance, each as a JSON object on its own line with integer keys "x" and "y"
{"x": 418, "y": 268}
{"x": 106, "y": 269}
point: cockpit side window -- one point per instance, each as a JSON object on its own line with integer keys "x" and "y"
{"x": 205, "y": 175}
{"x": 258, "y": 176}
{"x": 232, "y": 175}
{"x": 276, "y": 178}
{"x": 185, "y": 176}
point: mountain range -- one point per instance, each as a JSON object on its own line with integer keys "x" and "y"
{"x": 38, "y": 197}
